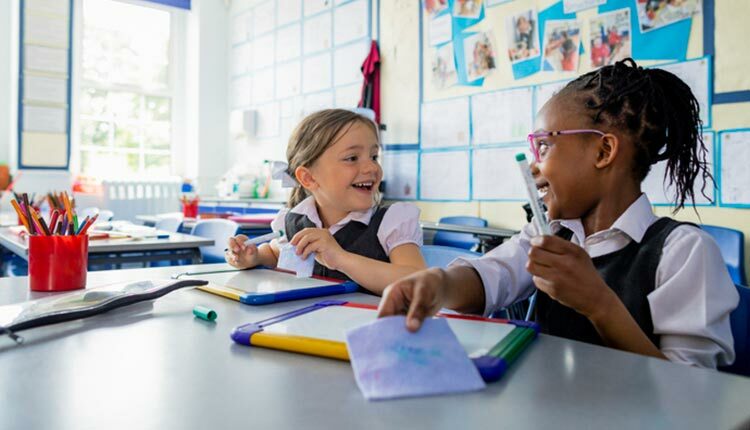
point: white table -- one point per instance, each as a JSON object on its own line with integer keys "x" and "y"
{"x": 154, "y": 365}
{"x": 189, "y": 223}
{"x": 118, "y": 251}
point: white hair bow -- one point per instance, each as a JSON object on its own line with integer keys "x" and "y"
{"x": 280, "y": 171}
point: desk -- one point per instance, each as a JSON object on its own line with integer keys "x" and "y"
{"x": 189, "y": 223}
{"x": 118, "y": 251}
{"x": 154, "y": 365}
{"x": 489, "y": 237}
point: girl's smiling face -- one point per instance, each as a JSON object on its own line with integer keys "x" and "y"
{"x": 566, "y": 174}
{"x": 348, "y": 174}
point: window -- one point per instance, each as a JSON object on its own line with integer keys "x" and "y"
{"x": 126, "y": 90}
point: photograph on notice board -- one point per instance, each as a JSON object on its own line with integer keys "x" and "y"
{"x": 653, "y": 14}
{"x": 444, "y": 66}
{"x": 523, "y": 38}
{"x": 434, "y": 7}
{"x": 610, "y": 37}
{"x": 480, "y": 55}
{"x": 562, "y": 40}
{"x": 467, "y": 8}
{"x": 573, "y": 6}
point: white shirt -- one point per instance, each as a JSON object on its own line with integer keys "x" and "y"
{"x": 400, "y": 224}
{"x": 693, "y": 293}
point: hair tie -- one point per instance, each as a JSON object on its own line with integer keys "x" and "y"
{"x": 280, "y": 171}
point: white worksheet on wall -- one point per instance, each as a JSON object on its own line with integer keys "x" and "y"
{"x": 315, "y": 6}
{"x": 735, "y": 174}
{"x": 264, "y": 50}
{"x": 400, "y": 172}
{"x": 347, "y": 61}
{"x": 267, "y": 120}
{"x": 263, "y": 86}
{"x": 48, "y": 7}
{"x": 44, "y": 149}
{"x": 288, "y": 79}
{"x": 43, "y": 89}
{"x": 45, "y": 119}
{"x": 696, "y": 74}
{"x": 502, "y": 116}
{"x": 496, "y": 175}
{"x": 545, "y": 92}
{"x": 264, "y": 18}
{"x": 657, "y": 188}
{"x": 445, "y": 123}
{"x": 289, "y": 42}
{"x": 44, "y": 59}
{"x": 289, "y": 11}
{"x": 317, "y": 75}
{"x": 444, "y": 175}
{"x": 350, "y": 22}
{"x": 317, "y": 33}
{"x": 45, "y": 30}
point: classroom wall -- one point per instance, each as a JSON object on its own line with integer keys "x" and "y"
{"x": 399, "y": 43}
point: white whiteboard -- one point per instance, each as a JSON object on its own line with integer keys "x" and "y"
{"x": 400, "y": 171}
{"x": 735, "y": 174}
{"x": 444, "y": 175}
{"x": 445, "y": 123}
{"x": 496, "y": 175}
{"x": 697, "y": 75}
{"x": 502, "y": 116}
{"x": 657, "y": 187}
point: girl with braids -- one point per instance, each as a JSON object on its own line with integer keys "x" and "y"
{"x": 613, "y": 273}
{"x": 334, "y": 209}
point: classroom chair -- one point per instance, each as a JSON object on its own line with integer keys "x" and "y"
{"x": 732, "y": 245}
{"x": 220, "y": 230}
{"x": 441, "y": 256}
{"x": 105, "y": 215}
{"x": 171, "y": 225}
{"x": 459, "y": 240}
{"x": 87, "y": 212}
{"x": 740, "y": 320}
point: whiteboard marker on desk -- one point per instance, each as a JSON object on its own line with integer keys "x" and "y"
{"x": 540, "y": 220}
{"x": 263, "y": 238}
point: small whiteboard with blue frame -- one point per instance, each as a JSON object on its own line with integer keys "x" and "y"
{"x": 734, "y": 174}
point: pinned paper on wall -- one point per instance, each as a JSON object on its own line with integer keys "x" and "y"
{"x": 313, "y": 7}
{"x": 445, "y": 123}
{"x": 572, "y": 6}
{"x": 46, "y": 90}
{"x": 657, "y": 187}
{"x": 49, "y": 7}
{"x": 264, "y": 50}
{"x": 561, "y": 44}
{"x": 264, "y": 18}
{"x": 400, "y": 172}
{"x": 443, "y": 66}
{"x": 469, "y": 9}
{"x": 317, "y": 74}
{"x": 495, "y": 174}
{"x": 45, "y": 30}
{"x": 654, "y": 14}
{"x": 735, "y": 175}
{"x": 288, "y": 79}
{"x": 543, "y": 93}
{"x": 263, "y": 85}
{"x": 697, "y": 75}
{"x": 441, "y": 29}
{"x": 434, "y": 7}
{"x": 44, "y": 149}
{"x": 317, "y": 34}
{"x": 347, "y": 61}
{"x": 522, "y": 36}
{"x": 267, "y": 120}
{"x": 44, "y": 59}
{"x": 479, "y": 55}
{"x": 502, "y": 116}
{"x": 350, "y": 22}
{"x": 444, "y": 175}
{"x": 610, "y": 38}
{"x": 289, "y": 41}
{"x": 289, "y": 11}
{"x": 45, "y": 119}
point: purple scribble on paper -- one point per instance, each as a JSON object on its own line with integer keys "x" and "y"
{"x": 390, "y": 362}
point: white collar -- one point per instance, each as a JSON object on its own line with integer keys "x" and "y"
{"x": 634, "y": 222}
{"x": 307, "y": 208}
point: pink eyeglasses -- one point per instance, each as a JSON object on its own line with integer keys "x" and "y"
{"x": 535, "y": 145}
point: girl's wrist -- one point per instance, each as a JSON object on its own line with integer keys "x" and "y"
{"x": 604, "y": 308}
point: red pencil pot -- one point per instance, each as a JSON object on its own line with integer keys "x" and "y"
{"x": 190, "y": 210}
{"x": 58, "y": 263}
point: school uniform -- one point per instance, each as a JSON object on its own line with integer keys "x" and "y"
{"x": 373, "y": 233}
{"x": 669, "y": 275}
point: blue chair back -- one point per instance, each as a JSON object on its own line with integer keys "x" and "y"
{"x": 441, "y": 256}
{"x": 459, "y": 240}
{"x": 171, "y": 225}
{"x": 732, "y": 245}
{"x": 220, "y": 230}
{"x": 740, "y": 320}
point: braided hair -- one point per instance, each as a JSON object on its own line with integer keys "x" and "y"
{"x": 659, "y": 112}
